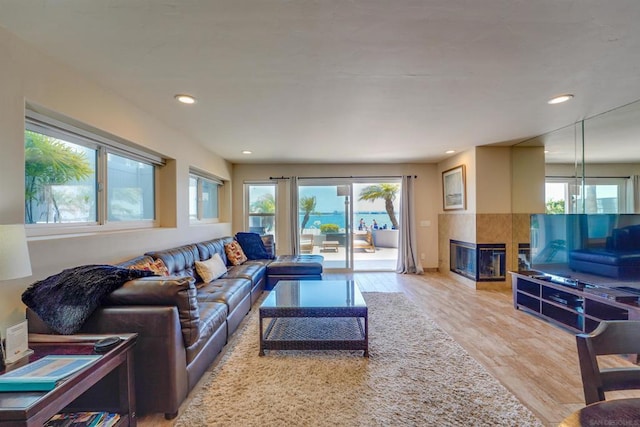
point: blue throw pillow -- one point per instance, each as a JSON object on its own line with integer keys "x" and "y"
{"x": 252, "y": 245}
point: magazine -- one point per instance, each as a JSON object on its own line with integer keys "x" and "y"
{"x": 44, "y": 374}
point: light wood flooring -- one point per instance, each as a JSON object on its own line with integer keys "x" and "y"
{"x": 535, "y": 360}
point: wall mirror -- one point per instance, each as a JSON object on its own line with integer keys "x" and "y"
{"x": 591, "y": 167}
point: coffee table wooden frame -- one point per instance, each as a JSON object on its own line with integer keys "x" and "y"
{"x": 268, "y": 342}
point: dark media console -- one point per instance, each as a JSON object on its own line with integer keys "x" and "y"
{"x": 571, "y": 303}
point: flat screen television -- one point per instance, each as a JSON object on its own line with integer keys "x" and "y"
{"x": 603, "y": 246}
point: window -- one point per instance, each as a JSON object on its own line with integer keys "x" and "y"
{"x": 601, "y": 195}
{"x": 261, "y": 208}
{"x": 131, "y": 189}
{"x": 75, "y": 175}
{"x": 203, "y": 197}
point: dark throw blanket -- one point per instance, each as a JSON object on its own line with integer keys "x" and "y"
{"x": 65, "y": 300}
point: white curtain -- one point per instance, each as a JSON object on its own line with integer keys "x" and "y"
{"x": 294, "y": 209}
{"x": 408, "y": 257}
{"x": 633, "y": 194}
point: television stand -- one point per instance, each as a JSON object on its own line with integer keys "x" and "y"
{"x": 579, "y": 309}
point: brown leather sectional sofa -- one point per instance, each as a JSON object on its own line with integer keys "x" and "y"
{"x": 183, "y": 323}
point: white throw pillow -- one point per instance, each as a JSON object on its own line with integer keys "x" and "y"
{"x": 211, "y": 269}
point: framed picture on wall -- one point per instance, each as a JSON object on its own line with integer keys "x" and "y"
{"x": 453, "y": 189}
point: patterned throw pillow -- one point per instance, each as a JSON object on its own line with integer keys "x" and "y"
{"x": 157, "y": 266}
{"x": 234, "y": 253}
{"x": 211, "y": 269}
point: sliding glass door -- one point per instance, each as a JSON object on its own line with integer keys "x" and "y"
{"x": 353, "y": 223}
{"x": 376, "y": 217}
{"x": 325, "y": 221}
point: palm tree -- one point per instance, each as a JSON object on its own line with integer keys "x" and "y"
{"x": 49, "y": 162}
{"x": 264, "y": 204}
{"x": 307, "y": 205}
{"x": 388, "y": 193}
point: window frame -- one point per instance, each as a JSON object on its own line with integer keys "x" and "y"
{"x": 44, "y": 122}
{"x": 575, "y": 206}
{"x": 201, "y": 177}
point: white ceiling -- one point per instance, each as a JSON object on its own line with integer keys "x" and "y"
{"x": 348, "y": 80}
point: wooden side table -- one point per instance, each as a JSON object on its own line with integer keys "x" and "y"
{"x": 35, "y": 408}
{"x": 616, "y": 412}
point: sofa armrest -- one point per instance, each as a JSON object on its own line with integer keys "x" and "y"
{"x": 160, "y": 357}
{"x": 165, "y": 291}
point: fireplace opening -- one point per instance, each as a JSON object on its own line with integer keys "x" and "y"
{"x": 482, "y": 262}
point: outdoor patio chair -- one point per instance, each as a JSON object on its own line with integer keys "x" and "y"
{"x": 306, "y": 243}
{"x": 364, "y": 241}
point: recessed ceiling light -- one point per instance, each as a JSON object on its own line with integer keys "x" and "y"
{"x": 449, "y": 151}
{"x": 246, "y": 152}
{"x": 185, "y": 99}
{"x": 546, "y": 151}
{"x": 560, "y": 98}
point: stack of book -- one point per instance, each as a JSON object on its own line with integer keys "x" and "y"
{"x": 83, "y": 419}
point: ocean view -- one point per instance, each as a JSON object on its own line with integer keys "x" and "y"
{"x": 315, "y": 220}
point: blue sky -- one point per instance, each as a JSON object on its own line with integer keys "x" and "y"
{"x": 328, "y": 201}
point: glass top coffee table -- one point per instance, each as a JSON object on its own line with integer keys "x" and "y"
{"x": 314, "y": 315}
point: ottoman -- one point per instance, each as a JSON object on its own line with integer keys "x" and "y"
{"x": 294, "y": 267}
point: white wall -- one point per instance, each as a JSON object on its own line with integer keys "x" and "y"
{"x": 27, "y": 75}
{"x": 493, "y": 180}
{"x": 427, "y": 194}
{"x": 527, "y": 178}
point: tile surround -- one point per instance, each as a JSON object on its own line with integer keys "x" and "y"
{"x": 510, "y": 229}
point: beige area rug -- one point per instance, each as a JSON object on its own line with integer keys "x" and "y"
{"x": 416, "y": 375}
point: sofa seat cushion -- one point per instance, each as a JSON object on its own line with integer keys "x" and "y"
{"x": 262, "y": 262}
{"x": 180, "y": 261}
{"x": 229, "y": 291}
{"x": 603, "y": 256}
{"x": 250, "y": 270}
{"x": 296, "y": 265}
{"x": 212, "y": 316}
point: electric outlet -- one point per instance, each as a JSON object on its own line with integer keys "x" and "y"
{"x": 422, "y": 256}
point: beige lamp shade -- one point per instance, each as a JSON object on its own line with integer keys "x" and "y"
{"x": 14, "y": 253}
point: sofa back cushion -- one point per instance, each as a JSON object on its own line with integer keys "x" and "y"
{"x": 270, "y": 245}
{"x": 624, "y": 239}
{"x": 180, "y": 261}
{"x": 207, "y": 248}
{"x": 179, "y": 292}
